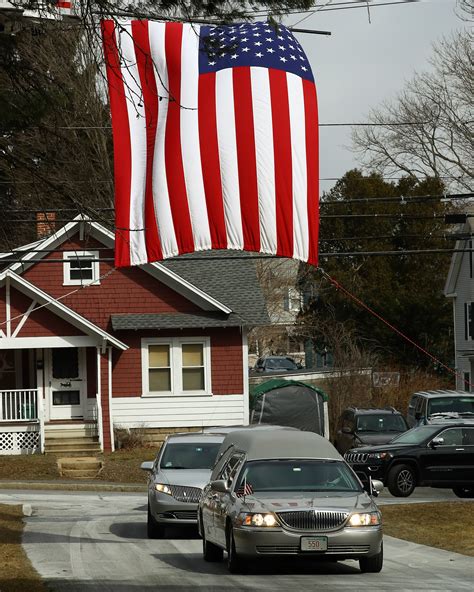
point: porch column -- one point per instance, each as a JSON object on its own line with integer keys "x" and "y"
{"x": 105, "y": 429}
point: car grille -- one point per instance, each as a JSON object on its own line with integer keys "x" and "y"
{"x": 356, "y": 457}
{"x": 185, "y": 515}
{"x": 294, "y": 549}
{"x": 313, "y": 519}
{"x": 183, "y": 493}
{"x": 347, "y": 549}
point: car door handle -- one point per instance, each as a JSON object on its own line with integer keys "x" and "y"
{"x": 462, "y": 449}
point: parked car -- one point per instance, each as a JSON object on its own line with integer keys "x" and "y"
{"x": 426, "y": 406}
{"x": 357, "y": 426}
{"x": 177, "y": 477}
{"x": 287, "y": 493}
{"x": 432, "y": 455}
{"x": 277, "y": 364}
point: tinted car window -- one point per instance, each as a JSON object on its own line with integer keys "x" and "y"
{"x": 380, "y": 423}
{"x": 275, "y": 363}
{"x": 452, "y": 437}
{"x": 468, "y": 437}
{"x": 416, "y": 435}
{"x": 298, "y": 475}
{"x": 189, "y": 456}
{"x": 451, "y": 405}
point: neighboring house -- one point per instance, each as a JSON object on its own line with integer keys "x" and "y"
{"x": 87, "y": 347}
{"x": 278, "y": 280}
{"x": 460, "y": 287}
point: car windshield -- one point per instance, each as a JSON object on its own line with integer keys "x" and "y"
{"x": 297, "y": 476}
{"x": 381, "y": 423}
{"x": 194, "y": 455}
{"x": 275, "y": 363}
{"x": 416, "y": 435}
{"x": 441, "y": 405}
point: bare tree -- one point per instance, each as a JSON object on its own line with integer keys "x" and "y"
{"x": 427, "y": 129}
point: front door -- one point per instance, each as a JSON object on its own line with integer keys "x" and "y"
{"x": 67, "y": 382}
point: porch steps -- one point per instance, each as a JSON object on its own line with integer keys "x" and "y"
{"x": 71, "y": 440}
{"x": 86, "y": 467}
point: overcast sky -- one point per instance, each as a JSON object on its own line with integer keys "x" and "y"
{"x": 362, "y": 64}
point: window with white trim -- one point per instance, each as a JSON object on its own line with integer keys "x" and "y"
{"x": 469, "y": 321}
{"x": 176, "y": 366}
{"x": 81, "y": 267}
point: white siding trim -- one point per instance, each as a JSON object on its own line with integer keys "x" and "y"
{"x": 183, "y": 411}
{"x": 109, "y": 369}
{"x": 245, "y": 363}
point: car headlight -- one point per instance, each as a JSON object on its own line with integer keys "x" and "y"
{"x": 257, "y": 519}
{"x": 163, "y": 488}
{"x": 365, "y": 519}
{"x": 379, "y": 455}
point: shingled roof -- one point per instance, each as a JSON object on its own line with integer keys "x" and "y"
{"x": 227, "y": 276}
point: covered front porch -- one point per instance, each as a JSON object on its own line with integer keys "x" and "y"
{"x": 43, "y": 390}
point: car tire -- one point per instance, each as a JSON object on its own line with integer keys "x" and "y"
{"x": 401, "y": 481}
{"x": 372, "y": 564}
{"x": 234, "y": 562}
{"x": 210, "y": 552}
{"x": 153, "y": 529}
{"x": 464, "y": 492}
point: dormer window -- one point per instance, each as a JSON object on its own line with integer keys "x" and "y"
{"x": 81, "y": 267}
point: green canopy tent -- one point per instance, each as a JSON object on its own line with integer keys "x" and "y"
{"x": 290, "y": 403}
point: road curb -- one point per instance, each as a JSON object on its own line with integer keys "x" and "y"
{"x": 68, "y": 486}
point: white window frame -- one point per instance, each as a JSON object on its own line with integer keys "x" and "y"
{"x": 67, "y": 255}
{"x": 176, "y": 364}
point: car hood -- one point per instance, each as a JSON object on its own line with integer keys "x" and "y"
{"x": 381, "y": 448}
{"x": 373, "y": 439}
{"x": 279, "y": 501}
{"x": 190, "y": 477}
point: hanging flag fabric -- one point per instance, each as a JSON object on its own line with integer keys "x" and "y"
{"x": 215, "y": 140}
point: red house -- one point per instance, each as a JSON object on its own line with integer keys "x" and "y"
{"x": 85, "y": 347}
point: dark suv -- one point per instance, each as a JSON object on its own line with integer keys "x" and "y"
{"x": 358, "y": 426}
{"x": 436, "y": 455}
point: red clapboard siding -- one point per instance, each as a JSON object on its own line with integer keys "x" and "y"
{"x": 128, "y": 290}
{"x": 226, "y": 361}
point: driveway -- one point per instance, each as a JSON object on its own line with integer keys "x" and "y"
{"x": 92, "y": 542}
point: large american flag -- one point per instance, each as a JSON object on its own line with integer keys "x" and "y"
{"x": 215, "y": 139}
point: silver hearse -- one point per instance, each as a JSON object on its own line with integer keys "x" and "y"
{"x": 287, "y": 493}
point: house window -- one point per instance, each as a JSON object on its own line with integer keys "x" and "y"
{"x": 467, "y": 380}
{"x": 81, "y": 267}
{"x": 468, "y": 321}
{"x": 176, "y": 366}
{"x": 293, "y": 300}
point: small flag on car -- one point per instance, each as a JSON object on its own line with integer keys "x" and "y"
{"x": 244, "y": 489}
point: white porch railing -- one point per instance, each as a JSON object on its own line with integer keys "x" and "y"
{"x": 19, "y": 405}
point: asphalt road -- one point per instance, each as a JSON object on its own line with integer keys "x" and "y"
{"x": 91, "y": 542}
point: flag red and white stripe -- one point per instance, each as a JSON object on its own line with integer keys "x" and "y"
{"x": 223, "y": 159}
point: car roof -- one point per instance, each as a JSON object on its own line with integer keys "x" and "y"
{"x": 254, "y": 426}
{"x": 442, "y": 393}
{"x": 372, "y": 410}
{"x": 194, "y": 438}
{"x": 266, "y": 444}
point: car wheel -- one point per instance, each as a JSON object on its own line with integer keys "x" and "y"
{"x": 463, "y": 491}
{"x": 401, "y": 481}
{"x": 372, "y": 564}
{"x": 234, "y": 563}
{"x": 153, "y": 529}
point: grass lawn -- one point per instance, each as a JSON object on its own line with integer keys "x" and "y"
{"x": 448, "y": 526}
{"x": 122, "y": 466}
{"x": 16, "y": 572}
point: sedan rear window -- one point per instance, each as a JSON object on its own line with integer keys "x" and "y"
{"x": 189, "y": 456}
{"x": 297, "y": 475}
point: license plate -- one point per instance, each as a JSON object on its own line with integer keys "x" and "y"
{"x": 314, "y": 543}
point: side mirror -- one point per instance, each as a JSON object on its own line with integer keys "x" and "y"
{"x": 436, "y": 442}
{"x": 373, "y": 487}
{"x": 147, "y": 466}
{"x": 299, "y": 365}
{"x": 220, "y": 485}
{"x": 346, "y": 430}
{"x": 418, "y": 415}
